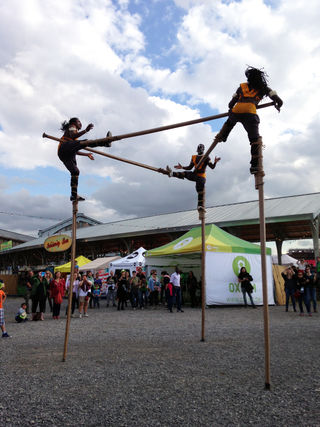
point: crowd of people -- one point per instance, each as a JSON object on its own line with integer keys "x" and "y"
{"x": 121, "y": 290}
{"x": 300, "y": 285}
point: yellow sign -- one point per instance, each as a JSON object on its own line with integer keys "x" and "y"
{"x": 58, "y": 243}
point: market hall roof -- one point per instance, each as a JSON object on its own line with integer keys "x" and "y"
{"x": 286, "y": 217}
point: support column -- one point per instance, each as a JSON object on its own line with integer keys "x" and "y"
{"x": 315, "y": 236}
{"x": 279, "y": 249}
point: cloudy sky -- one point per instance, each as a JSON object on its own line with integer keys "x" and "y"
{"x": 128, "y": 65}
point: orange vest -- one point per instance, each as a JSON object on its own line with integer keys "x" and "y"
{"x": 199, "y": 173}
{"x": 248, "y": 100}
{"x": 2, "y": 298}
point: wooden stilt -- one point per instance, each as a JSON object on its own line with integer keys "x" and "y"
{"x": 259, "y": 186}
{"x": 202, "y": 217}
{"x": 73, "y": 258}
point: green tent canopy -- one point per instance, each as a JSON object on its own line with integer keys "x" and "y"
{"x": 217, "y": 240}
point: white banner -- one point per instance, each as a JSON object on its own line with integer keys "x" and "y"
{"x": 222, "y": 285}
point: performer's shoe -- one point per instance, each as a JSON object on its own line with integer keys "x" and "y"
{"x": 169, "y": 170}
{"x": 255, "y": 170}
{"x": 201, "y": 209}
{"x": 77, "y": 199}
{"x": 108, "y": 143}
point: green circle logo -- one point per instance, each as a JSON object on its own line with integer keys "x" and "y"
{"x": 238, "y": 262}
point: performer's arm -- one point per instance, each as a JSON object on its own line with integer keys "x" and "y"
{"x": 234, "y": 99}
{"x": 277, "y": 100}
{"x": 213, "y": 165}
{"x": 74, "y": 134}
{"x": 80, "y": 153}
{"x": 187, "y": 168}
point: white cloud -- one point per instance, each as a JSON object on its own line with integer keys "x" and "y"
{"x": 85, "y": 58}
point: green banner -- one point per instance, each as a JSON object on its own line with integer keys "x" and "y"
{"x": 6, "y": 245}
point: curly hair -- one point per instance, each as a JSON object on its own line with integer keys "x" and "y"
{"x": 257, "y": 78}
{"x": 65, "y": 124}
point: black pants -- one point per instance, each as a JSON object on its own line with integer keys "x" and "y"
{"x": 67, "y": 154}
{"x": 199, "y": 180}
{"x": 56, "y": 309}
{"x": 41, "y": 300}
{"x": 249, "y": 121}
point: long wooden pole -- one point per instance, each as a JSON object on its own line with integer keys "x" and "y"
{"x": 168, "y": 127}
{"x": 203, "y": 268}
{"x": 73, "y": 260}
{"x": 111, "y": 156}
{"x": 259, "y": 186}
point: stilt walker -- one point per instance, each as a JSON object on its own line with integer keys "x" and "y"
{"x": 198, "y": 175}
{"x": 243, "y": 109}
{"x": 69, "y": 147}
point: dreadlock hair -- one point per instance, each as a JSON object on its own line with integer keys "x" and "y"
{"x": 65, "y": 124}
{"x": 257, "y": 79}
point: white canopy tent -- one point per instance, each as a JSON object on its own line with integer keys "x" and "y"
{"x": 285, "y": 260}
{"x": 130, "y": 262}
{"x": 98, "y": 264}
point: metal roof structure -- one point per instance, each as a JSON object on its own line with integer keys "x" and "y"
{"x": 11, "y": 235}
{"x": 66, "y": 224}
{"x": 287, "y": 218}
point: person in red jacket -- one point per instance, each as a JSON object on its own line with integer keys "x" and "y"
{"x": 57, "y": 293}
{"x": 242, "y": 108}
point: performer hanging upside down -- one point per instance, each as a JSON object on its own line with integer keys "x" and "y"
{"x": 199, "y": 176}
{"x": 70, "y": 147}
{"x": 242, "y": 108}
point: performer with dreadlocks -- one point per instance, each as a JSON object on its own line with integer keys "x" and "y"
{"x": 242, "y": 108}
{"x": 199, "y": 176}
{"x": 69, "y": 147}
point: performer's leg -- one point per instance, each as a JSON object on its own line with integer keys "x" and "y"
{"x": 98, "y": 142}
{"x": 224, "y": 132}
{"x": 71, "y": 165}
{"x": 255, "y": 149}
{"x": 251, "y": 125}
{"x": 180, "y": 175}
{"x": 200, "y": 183}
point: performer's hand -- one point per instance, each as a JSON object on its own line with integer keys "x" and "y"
{"x": 178, "y": 166}
{"x": 90, "y": 156}
{"x": 217, "y": 159}
{"x": 89, "y": 127}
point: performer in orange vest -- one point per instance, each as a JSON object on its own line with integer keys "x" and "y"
{"x": 199, "y": 176}
{"x": 242, "y": 108}
{"x": 70, "y": 147}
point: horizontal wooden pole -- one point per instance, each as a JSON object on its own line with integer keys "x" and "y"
{"x": 111, "y": 156}
{"x": 167, "y": 127}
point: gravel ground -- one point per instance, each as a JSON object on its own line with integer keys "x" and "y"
{"x": 149, "y": 368}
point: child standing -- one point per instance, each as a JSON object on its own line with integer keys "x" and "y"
{"x": 2, "y": 300}
{"x": 96, "y": 294}
{"x": 22, "y": 316}
{"x": 69, "y": 147}
{"x": 242, "y": 108}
